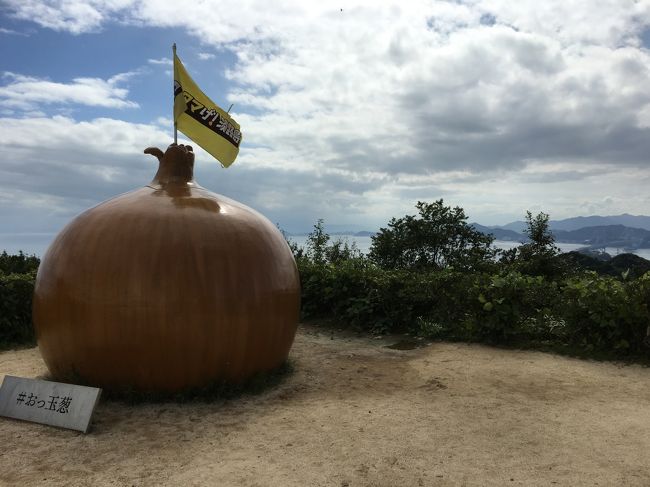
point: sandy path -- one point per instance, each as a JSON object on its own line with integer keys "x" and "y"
{"x": 355, "y": 413}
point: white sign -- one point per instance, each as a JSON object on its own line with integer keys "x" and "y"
{"x": 53, "y": 403}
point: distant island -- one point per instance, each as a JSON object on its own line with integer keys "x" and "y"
{"x": 576, "y": 223}
{"x": 618, "y": 236}
{"x": 629, "y": 232}
{"x": 625, "y": 231}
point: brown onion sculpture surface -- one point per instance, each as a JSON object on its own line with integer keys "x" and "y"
{"x": 166, "y": 288}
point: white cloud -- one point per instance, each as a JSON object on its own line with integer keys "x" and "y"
{"x": 30, "y": 93}
{"x": 376, "y": 92}
{"x": 611, "y": 23}
{"x": 74, "y": 16}
{"x": 498, "y": 106}
{"x": 101, "y": 135}
{"x": 204, "y": 56}
{"x": 165, "y": 61}
{"x": 11, "y": 32}
{"x": 57, "y": 167}
{"x": 63, "y": 166}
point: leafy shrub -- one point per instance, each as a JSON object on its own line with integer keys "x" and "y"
{"x": 17, "y": 276}
{"x": 580, "y": 262}
{"x": 630, "y": 266}
{"x": 351, "y": 291}
{"x": 16, "y": 292}
{"x": 442, "y": 297}
{"x": 360, "y": 294}
{"x": 538, "y": 257}
{"x": 18, "y": 263}
{"x": 429, "y": 328}
{"x": 621, "y": 266}
{"x": 587, "y": 314}
{"x": 603, "y": 313}
{"x": 583, "y": 312}
{"x": 437, "y": 238}
{"x": 512, "y": 306}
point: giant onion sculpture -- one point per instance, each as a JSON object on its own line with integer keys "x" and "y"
{"x": 166, "y": 288}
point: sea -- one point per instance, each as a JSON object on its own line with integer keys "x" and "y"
{"x": 363, "y": 243}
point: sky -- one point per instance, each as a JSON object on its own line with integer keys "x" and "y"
{"x": 351, "y": 111}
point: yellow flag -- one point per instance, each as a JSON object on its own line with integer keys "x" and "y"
{"x": 202, "y": 120}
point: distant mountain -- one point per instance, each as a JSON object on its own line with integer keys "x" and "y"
{"x": 606, "y": 236}
{"x": 517, "y": 226}
{"x": 362, "y": 233}
{"x": 569, "y": 224}
{"x": 633, "y": 221}
{"x": 500, "y": 233}
{"x": 621, "y": 231}
{"x": 618, "y": 236}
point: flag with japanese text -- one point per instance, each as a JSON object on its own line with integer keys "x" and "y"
{"x": 202, "y": 120}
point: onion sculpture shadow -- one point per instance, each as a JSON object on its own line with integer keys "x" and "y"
{"x": 166, "y": 288}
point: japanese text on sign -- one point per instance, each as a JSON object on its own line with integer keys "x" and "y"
{"x": 211, "y": 119}
{"x": 54, "y": 403}
{"x": 47, "y": 402}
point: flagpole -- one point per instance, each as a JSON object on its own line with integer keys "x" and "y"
{"x": 173, "y": 87}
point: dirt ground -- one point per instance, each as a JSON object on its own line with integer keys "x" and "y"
{"x": 357, "y": 413}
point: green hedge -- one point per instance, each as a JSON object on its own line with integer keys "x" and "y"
{"x": 587, "y": 313}
{"x": 511, "y": 307}
{"x": 603, "y": 313}
{"x": 19, "y": 263}
{"x": 377, "y": 300}
{"x": 16, "y": 292}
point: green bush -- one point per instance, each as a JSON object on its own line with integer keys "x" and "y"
{"x": 351, "y": 291}
{"x": 587, "y": 314}
{"x": 621, "y": 266}
{"x": 437, "y": 238}
{"x": 528, "y": 300}
{"x": 360, "y": 294}
{"x": 512, "y": 306}
{"x": 440, "y": 300}
{"x": 606, "y": 314}
{"x": 18, "y": 263}
{"x": 16, "y": 292}
{"x": 539, "y": 256}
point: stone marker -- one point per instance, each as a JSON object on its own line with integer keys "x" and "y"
{"x": 53, "y": 403}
